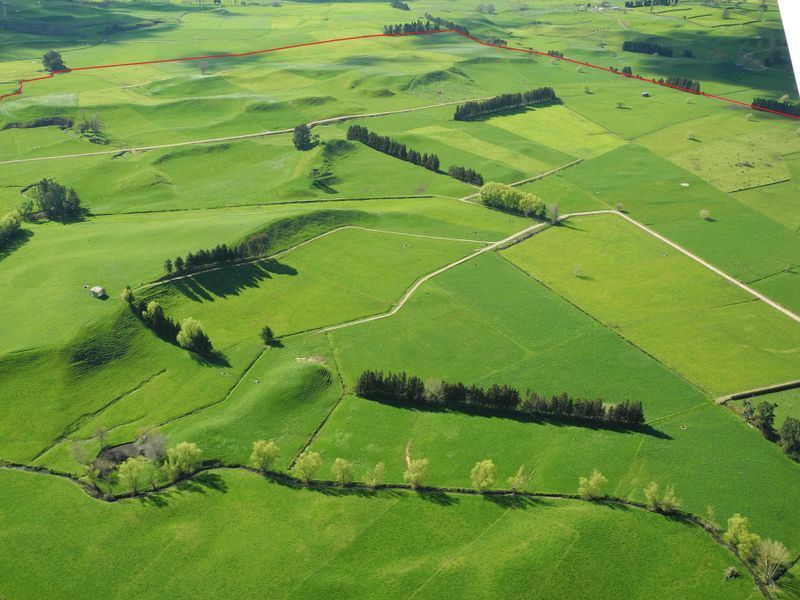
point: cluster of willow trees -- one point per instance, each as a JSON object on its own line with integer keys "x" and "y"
{"x": 405, "y": 390}
{"x": 505, "y": 197}
{"x": 53, "y": 201}
{"x": 392, "y": 147}
{"x": 9, "y": 227}
{"x": 478, "y": 108}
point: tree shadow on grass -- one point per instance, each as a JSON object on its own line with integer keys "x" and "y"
{"x": 512, "y": 500}
{"x": 541, "y": 419}
{"x": 203, "y": 482}
{"x": 230, "y": 281}
{"x": 435, "y": 497}
{"x": 212, "y": 359}
{"x": 331, "y": 489}
{"x": 20, "y": 239}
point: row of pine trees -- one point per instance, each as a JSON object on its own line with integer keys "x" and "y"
{"x": 405, "y": 390}
{"x": 392, "y": 147}
{"x": 477, "y": 108}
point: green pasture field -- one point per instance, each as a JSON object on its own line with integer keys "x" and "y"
{"x": 50, "y": 269}
{"x": 696, "y": 323}
{"x": 200, "y": 539}
{"x": 525, "y": 336}
{"x": 594, "y": 307}
{"x": 788, "y": 404}
{"x": 739, "y": 240}
{"x": 346, "y": 275}
{"x": 731, "y": 154}
{"x": 262, "y": 171}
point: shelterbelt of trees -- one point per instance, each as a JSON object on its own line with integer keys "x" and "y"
{"x": 387, "y": 145}
{"x": 645, "y": 47}
{"x": 478, "y": 108}
{"x": 792, "y": 108}
{"x": 400, "y": 388}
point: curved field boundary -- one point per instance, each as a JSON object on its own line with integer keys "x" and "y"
{"x": 22, "y": 82}
{"x": 520, "y": 236}
{"x": 358, "y": 488}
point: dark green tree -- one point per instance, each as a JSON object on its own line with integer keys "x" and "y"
{"x": 51, "y": 61}
{"x": 764, "y": 418}
{"x": 790, "y": 437}
{"x": 267, "y": 336}
{"x": 168, "y": 266}
{"x": 302, "y": 137}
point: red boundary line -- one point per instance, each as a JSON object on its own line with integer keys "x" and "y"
{"x": 18, "y": 91}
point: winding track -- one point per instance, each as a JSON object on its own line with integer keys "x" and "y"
{"x": 233, "y": 138}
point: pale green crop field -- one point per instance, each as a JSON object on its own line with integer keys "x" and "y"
{"x": 717, "y": 336}
{"x": 337, "y": 541}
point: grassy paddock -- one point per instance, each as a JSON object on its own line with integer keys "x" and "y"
{"x": 361, "y": 542}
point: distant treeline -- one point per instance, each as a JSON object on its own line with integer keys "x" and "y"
{"x": 440, "y": 23}
{"x": 646, "y": 48}
{"x": 405, "y": 390}
{"x": 640, "y": 3}
{"x": 682, "y": 82}
{"x": 62, "y": 122}
{"x": 465, "y": 175}
{"x": 477, "y": 108}
{"x": 413, "y": 27}
{"x": 792, "y": 108}
{"x": 392, "y": 147}
{"x": 399, "y": 4}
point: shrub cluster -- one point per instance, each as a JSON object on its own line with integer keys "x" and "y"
{"x": 188, "y": 334}
{"x": 682, "y": 82}
{"x": 762, "y": 417}
{"x": 477, "y": 108}
{"x": 496, "y": 41}
{"x": 504, "y": 197}
{"x": 645, "y": 47}
{"x": 556, "y": 53}
{"x": 400, "y": 388}
{"x": 399, "y": 4}
{"x": 9, "y": 227}
{"x": 792, "y": 108}
{"x": 387, "y": 145}
{"x": 53, "y": 201}
{"x": 466, "y": 175}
